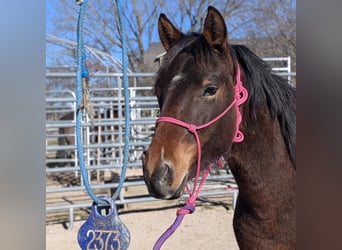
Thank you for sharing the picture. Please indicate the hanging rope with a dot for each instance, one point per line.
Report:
(82, 78)
(126, 95)
(82, 75)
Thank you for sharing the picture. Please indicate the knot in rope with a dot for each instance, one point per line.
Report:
(187, 209)
(192, 128)
(239, 136)
(241, 94)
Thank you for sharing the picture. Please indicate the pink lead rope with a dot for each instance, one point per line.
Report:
(241, 95)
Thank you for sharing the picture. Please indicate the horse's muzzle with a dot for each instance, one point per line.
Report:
(160, 181)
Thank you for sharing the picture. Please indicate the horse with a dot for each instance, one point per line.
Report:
(195, 84)
(67, 139)
(67, 134)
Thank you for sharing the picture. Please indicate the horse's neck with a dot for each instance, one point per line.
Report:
(261, 165)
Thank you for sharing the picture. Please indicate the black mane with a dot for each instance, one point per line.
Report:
(187, 43)
(275, 91)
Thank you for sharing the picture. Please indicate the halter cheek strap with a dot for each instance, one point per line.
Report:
(240, 97)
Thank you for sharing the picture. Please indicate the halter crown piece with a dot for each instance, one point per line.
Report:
(240, 97)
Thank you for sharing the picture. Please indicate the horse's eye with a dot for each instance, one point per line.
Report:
(210, 90)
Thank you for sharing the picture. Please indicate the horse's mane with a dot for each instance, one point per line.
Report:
(183, 45)
(275, 91)
(264, 87)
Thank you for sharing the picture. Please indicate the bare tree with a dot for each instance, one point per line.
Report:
(272, 31)
(141, 27)
(101, 29)
(268, 27)
(191, 13)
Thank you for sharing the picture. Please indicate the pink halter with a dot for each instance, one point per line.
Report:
(241, 95)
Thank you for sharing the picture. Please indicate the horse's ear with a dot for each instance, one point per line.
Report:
(168, 33)
(215, 30)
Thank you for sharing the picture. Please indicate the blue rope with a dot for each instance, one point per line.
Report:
(82, 73)
(126, 95)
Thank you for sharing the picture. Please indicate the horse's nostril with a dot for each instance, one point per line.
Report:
(161, 179)
(164, 172)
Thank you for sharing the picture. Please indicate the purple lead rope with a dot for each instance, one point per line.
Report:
(174, 226)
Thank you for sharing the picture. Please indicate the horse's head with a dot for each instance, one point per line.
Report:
(194, 84)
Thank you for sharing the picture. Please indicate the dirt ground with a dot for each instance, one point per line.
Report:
(209, 228)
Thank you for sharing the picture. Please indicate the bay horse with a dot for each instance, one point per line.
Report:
(194, 84)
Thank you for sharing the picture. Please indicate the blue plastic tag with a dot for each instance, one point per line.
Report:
(102, 232)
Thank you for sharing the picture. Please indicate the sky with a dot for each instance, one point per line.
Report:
(50, 13)
(49, 26)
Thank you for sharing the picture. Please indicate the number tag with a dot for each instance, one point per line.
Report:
(102, 232)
